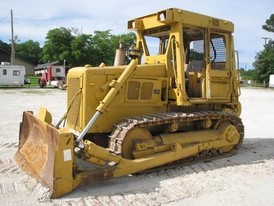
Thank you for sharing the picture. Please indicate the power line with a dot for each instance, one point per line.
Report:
(5, 17)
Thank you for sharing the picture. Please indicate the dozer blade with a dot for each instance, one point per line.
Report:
(37, 145)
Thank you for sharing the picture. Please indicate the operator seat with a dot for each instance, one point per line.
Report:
(194, 75)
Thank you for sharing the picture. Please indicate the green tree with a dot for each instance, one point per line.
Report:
(103, 47)
(250, 74)
(29, 50)
(269, 24)
(264, 62)
(82, 49)
(128, 39)
(57, 46)
(4, 46)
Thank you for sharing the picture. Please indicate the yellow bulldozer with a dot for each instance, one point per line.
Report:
(177, 99)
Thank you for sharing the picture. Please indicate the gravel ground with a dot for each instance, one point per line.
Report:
(246, 178)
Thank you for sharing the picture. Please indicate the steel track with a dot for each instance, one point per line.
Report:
(120, 132)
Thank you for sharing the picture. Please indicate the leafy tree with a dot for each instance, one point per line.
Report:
(250, 74)
(29, 50)
(4, 46)
(264, 62)
(76, 48)
(269, 24)
(58, 46)
(82, 49)
(79, 49)
(128, 40)
(103, 47)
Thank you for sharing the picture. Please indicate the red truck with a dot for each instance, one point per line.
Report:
(51, 75)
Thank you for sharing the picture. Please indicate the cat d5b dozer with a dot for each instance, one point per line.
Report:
(177, 99)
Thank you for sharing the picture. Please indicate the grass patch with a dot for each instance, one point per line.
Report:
(33, 80)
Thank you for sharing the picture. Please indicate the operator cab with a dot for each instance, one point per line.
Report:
(197, 52)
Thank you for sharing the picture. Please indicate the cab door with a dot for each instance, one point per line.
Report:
(219, 72)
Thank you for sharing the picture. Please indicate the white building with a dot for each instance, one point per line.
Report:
(271, 80)
(12, 75)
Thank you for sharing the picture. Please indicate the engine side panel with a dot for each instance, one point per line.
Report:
(144, 93)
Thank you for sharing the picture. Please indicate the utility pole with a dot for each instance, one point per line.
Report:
(12, 54)
(265, 39)
(14, 39)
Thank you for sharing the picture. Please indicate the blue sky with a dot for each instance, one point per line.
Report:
(33, 19)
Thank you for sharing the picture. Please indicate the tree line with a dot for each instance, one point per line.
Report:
(264, 60)
(75, 48)
(79, 49)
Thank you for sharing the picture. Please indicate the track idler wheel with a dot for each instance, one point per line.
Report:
(229, 133)
(134, 136)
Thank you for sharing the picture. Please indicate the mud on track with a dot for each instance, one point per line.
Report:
(242, 179)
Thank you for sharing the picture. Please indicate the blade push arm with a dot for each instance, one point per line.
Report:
(116, 86)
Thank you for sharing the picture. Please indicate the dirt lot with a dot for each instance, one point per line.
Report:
(246, 178)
